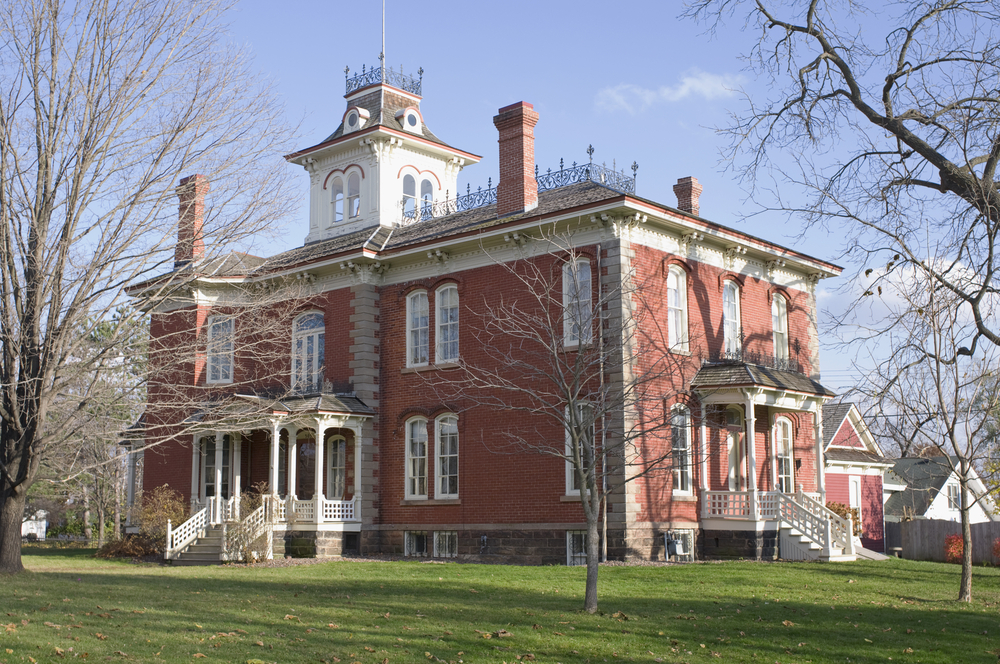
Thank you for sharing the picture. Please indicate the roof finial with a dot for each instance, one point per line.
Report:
(590, 152)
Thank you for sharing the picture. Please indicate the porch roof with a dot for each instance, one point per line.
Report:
(734, 375)
(243, 407)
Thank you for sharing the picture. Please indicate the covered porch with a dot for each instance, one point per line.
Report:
(287, 464)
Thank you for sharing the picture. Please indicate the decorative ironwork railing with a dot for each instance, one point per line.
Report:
(414, 210)
(743, 356)
(383, 74)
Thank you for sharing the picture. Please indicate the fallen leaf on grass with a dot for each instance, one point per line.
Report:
(259, 643)
(289, 616)
(502, 633)
(788, 623)
(198, 654)
(100, 636)
(620, 616)
(333, 626)
(59, 652)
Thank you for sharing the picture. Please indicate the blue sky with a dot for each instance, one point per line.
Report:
(630, 78)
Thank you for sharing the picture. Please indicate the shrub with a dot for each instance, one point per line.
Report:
(954, 547)
(152, 510)
(132, 546)
(845, 512)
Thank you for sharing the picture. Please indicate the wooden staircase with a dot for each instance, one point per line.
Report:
(208, 549)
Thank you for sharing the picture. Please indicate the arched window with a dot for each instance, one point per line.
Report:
(731, 318)
(783, 451)
(677, 325)
(354, 196)
(577, 303)
(779, 322)
(680, 431)
(417, 322)
(337, 199)
(308, 352)
(447, 324)
(426, 199)
(416, 458)
(446, 450)
(409, 195)
(735, 437)
(336, 467)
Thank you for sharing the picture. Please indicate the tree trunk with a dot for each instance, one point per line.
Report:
(965, 586)
(593, 558)
(100, 525)
(87, 531)
(117, 532)
(11, 513)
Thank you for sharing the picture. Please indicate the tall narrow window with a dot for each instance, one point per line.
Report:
(283, 463)
(416, 329)
(783, 451)
(680, 430)
(579, 445)
(308, 352)
(446, 446)
(426, 199)
(577, 303)
(336, 469)
(677, 325)
(220, 350)
(447, 324)
(779, 323)
(337, 199)
(735, 438)
(354, 196)
(416, 458)
(954, 501)
(731, 319)
(208, 465)
(409, 196)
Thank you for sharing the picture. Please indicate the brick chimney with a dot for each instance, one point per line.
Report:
(190, 219)
(517, 190)
(688, 191)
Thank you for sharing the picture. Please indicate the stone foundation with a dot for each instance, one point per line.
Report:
(734, 544)
(312, 544)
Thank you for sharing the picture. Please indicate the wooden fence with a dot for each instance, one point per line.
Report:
(923, 539)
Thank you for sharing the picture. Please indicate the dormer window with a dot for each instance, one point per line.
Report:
(410, 119)
(355, 118)
(337, 199)
(354, 196)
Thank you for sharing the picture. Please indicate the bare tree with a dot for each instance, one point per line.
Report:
(103, 108)
(889, 120)
(934, 400)
(574, 348)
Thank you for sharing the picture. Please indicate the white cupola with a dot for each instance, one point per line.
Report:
(382, 166)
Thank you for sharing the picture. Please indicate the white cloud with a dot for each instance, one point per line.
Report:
(694, 83)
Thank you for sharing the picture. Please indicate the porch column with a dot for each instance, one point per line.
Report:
(220, 442)
(275, 450)
(357, 474)
(818, 434)
(751, 455)
(195, 470)
(703, 462)
(237, 468)
(293, 454)
(130, 487)
(318, 495)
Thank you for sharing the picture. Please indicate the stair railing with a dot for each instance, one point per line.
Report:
(841, 529)
(812, 525)
(186, 533)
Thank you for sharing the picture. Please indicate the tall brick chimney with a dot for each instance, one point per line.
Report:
(190, 219)
(688, 191)
(517, 190)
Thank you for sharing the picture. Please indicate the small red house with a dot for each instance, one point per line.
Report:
(358, 455)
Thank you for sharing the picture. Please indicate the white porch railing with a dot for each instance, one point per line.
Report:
(800, 511)
(186, 533)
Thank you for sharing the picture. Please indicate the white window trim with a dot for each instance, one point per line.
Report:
(681, 341)
(409, 458)
(352, 203)
(731, 345)
(779, 313)
(575, 559)
(958, 495)
(775, 438)
(213, 355)
(439, 323)
(337, 181)
(318, 371)
(440, 536)
(410, 329)
(336, 443)
(570, 489)
(572, 305)
(680, 410)
(438, 491)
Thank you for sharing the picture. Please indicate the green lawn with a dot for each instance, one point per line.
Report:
(72, 606)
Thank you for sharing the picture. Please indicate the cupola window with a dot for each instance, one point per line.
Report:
(337, 199)
(354, 196)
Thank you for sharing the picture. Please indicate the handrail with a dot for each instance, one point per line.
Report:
(185, 533)
(842, 530)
